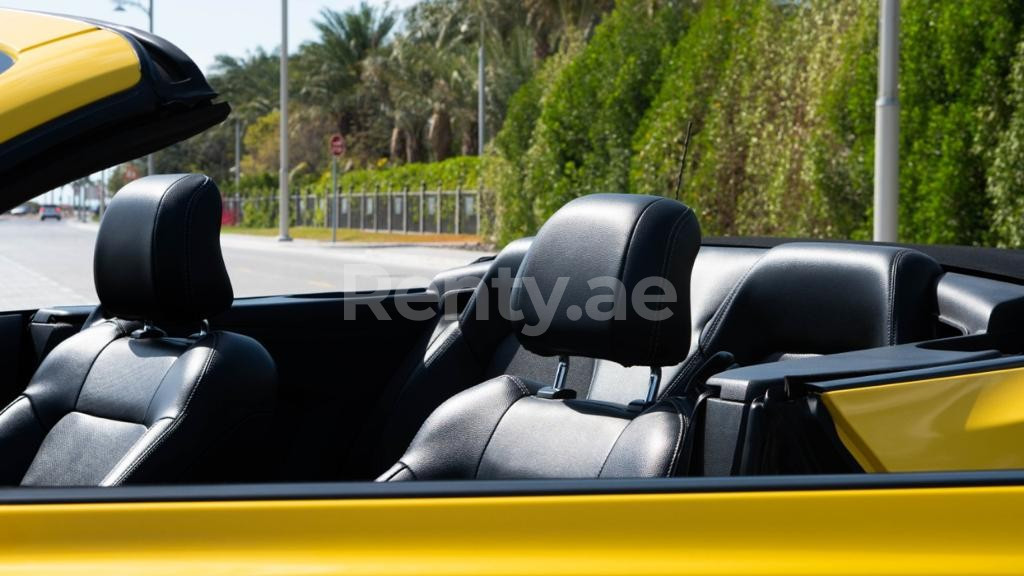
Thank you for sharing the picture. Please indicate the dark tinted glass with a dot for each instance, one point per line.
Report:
(5, 62)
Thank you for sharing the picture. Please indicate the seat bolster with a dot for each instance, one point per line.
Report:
(216, 403)
(652, 444)
(452, 441)
(54, 389)
(21, 435)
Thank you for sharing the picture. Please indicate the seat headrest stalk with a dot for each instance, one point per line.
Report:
(148, 331)
(204, 329)
(557, 390)
(652, 392)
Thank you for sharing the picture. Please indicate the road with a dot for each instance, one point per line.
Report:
(50, 263)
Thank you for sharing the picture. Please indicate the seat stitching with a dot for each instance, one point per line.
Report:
(448, 341)
(665, 263)
(522, 388)
(715, 323)
(405, 467)
(15, 401)
(152, 239)
(685, 372)
(612, 449)
(119, 332)
(188, 234)
(625, 259)
(890, 337)
(179, 419)
(683, 425)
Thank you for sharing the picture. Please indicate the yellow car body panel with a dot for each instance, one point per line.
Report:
(879, 531)
(60, 65)
(965, 422)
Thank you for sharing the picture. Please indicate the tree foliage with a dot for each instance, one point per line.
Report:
(781, 100)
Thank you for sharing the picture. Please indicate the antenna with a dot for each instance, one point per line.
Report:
(682, 161)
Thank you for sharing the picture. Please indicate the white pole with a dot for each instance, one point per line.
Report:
(887, 124)
(481, 93)
(283, 198)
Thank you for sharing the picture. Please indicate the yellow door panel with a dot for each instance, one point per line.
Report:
(58, 68)
(907, 531)
(968, 422)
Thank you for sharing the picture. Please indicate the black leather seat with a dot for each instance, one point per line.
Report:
(509, 427)
(123, 402)
(480, 343)
(809, 298)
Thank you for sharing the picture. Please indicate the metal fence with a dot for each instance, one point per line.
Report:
(419, 211)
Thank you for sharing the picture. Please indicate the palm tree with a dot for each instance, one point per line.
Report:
(332, 68)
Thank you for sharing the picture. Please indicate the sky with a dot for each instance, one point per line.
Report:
(205, 28)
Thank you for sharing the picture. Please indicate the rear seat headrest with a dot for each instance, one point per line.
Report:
(821, 298)
(158, 254)
(565, 289)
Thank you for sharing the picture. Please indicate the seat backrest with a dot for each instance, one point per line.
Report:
(123, 402)
(480, 343)
(809, 298)
(579, 292)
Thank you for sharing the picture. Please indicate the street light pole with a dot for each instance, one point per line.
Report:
(481, 92)
(283, 199)
(887, 124)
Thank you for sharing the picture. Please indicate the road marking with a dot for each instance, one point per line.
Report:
(21, 287)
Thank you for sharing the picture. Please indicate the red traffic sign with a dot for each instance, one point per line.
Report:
(338, 145)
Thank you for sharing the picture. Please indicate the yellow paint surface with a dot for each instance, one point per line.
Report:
(968, 422)
(60, 65)
(912, 531)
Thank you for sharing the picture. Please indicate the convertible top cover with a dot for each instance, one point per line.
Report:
(82, 95)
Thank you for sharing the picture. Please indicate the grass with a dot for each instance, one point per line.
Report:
(350, 235)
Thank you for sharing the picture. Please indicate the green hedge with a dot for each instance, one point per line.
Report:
(781, 96)
(461, 171)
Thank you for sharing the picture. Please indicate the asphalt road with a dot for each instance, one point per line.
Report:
(50, 263)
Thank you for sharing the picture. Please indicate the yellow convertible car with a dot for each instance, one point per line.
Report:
(614, 396)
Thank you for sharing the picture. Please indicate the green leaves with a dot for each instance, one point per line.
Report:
(782, 100)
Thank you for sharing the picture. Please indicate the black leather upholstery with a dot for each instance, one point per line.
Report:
(812, 298)
(114, 404)
(481, 344)
(629, 240)
(501, 429)
(498, 429)
(158, 253)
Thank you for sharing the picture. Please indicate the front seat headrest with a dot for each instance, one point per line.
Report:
(816, 298)
(608, 276)
(158, 254)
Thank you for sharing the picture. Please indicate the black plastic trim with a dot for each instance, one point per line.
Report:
(996, 263)
(496, 488)
(979, 367)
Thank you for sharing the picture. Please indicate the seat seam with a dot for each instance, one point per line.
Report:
(118, 334)
(683, 425)
(608, 456)
(666, 262)
(178, 420)
(522, 388)
(625, 259)
(890, 335)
